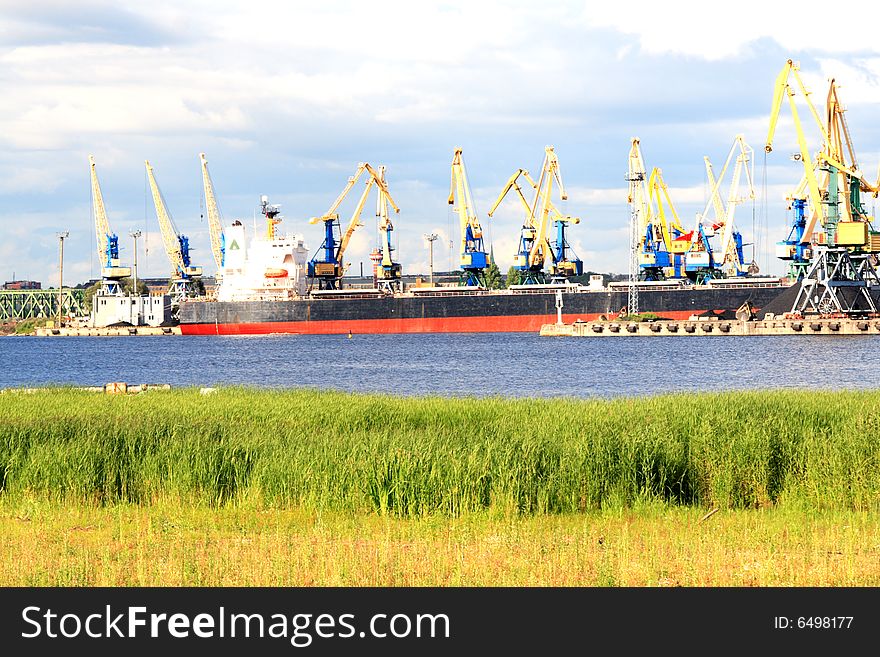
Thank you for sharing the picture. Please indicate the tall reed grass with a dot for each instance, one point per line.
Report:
(416, 456)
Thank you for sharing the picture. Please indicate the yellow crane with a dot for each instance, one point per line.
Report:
(836, 264)
(832, 178)
(327, 265)
(528, 230)
(215, 223)
(184, 280)
(106, 240)
(535, 249)
(472, 254)
(541, 250)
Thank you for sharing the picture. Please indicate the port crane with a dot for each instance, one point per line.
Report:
(836, 263)
(185, 278)
(327, 266)
(728, 258)
(388, 272)
(527, 232)
(563, 262)
(112, 272)
(215, 222)
(680, 243)
(472, 254)
(535, 248)
(660, 247)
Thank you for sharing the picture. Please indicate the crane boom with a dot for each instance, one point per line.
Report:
(812, 184)
(355, 222)
(543, 189)
(107, 241)
(215, 224)
(169, 234)
(780, 89)
(184, 277)
(715, 195)
(511, 184)
(659, 194)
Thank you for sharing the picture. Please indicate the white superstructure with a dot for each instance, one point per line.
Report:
(261, 268)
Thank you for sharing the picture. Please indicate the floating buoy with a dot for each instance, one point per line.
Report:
(349, 334)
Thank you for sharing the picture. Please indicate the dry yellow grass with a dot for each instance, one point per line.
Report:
(168, 545)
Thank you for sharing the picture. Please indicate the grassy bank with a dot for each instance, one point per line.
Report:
(336, 452)
(21, 327)
(59, 544)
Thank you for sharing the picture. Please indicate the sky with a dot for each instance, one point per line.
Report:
(287, 98)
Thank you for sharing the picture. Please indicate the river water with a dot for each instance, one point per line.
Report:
(510, 364)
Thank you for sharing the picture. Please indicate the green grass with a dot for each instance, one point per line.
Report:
(414, 457)
(639, 317)
(21, 326)
(27, 326)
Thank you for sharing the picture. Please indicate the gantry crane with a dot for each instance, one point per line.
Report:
(535, 249)
(660, 251)
(108, 242)
(691, 253)
(728, 257)
(835, 264)
(528, 230)
(561, 265)
(388, 272)
(327, 266)
(472, 254)
(565, 262)
(215, 223)
(185, 278)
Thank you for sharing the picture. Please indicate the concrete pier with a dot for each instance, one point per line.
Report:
(107, 331)
(714, 326)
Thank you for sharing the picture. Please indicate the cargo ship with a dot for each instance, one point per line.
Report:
(265, 289)
(457, 311)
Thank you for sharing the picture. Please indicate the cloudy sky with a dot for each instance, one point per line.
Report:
(287, 98)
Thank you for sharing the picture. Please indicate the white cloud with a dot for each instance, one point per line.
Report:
(691, 27)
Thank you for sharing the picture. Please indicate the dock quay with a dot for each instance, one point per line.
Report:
(714, 326)
(67, 331)
(113, 388)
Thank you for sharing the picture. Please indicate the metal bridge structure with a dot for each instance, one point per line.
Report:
(32, 304)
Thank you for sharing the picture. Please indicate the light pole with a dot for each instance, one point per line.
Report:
(61, 237)
(431, 237)
(134, 265)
